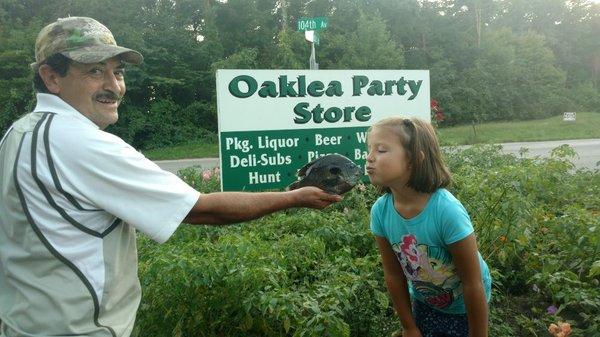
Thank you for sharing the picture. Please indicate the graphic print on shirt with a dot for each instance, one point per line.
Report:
(430, 271)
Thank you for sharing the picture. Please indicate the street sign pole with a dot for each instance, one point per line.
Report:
(311, 26)
(313, 58)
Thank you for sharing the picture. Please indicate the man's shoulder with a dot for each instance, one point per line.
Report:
(66, 138)
(27, 122)
(63, 128)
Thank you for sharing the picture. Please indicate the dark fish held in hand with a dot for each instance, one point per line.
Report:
(332, 173)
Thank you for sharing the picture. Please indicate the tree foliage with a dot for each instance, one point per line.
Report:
(488, 60)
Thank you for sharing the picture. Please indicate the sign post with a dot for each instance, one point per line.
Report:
(313, 58)
(310, 27)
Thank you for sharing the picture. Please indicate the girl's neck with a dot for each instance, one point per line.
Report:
(407, 195)
(408, 202)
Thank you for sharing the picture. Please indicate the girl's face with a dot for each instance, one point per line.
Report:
(387, 162)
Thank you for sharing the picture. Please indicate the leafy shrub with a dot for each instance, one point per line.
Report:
(317, 273)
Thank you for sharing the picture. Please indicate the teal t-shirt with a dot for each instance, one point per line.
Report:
(421, 246)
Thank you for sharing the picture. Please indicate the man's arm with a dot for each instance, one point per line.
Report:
(232, 207)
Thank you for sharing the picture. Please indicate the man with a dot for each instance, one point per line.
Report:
(72, 195)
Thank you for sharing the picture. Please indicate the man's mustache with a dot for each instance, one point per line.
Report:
(108, 95)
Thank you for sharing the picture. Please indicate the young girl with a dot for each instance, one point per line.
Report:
(424, 234)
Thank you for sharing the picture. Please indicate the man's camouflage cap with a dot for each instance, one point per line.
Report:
(81, 39)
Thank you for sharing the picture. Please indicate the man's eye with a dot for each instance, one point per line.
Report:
(96, 71)
(120, 72)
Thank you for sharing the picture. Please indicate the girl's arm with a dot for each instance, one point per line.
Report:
(466, 259)
(395, 282)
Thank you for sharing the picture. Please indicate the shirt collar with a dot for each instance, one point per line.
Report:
(55, 104)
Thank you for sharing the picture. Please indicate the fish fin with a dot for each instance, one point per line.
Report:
(304, 170)
(293, 185)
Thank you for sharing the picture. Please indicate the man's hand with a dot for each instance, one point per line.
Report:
(314, 197)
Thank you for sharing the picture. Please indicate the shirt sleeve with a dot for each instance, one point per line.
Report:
(455, 221)
(376, 215)
(109, 173)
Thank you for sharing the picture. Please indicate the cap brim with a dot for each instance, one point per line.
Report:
(94, 54)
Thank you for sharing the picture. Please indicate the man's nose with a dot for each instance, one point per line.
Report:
(112, 83)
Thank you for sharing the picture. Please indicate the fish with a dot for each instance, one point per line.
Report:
(333, 173)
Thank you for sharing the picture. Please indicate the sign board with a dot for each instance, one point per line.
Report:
(317, 23)
(273, 122)
(569, 116)
(312, 36)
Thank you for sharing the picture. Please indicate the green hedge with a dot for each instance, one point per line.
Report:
(317, 273)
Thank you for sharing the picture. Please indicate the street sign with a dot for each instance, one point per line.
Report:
(569, 116)
(317, 23)
(312, 36)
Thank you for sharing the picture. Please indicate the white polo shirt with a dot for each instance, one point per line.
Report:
(70, 198)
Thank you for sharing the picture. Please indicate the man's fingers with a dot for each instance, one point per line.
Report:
(333, 197)
(314, 197)
(326, 199)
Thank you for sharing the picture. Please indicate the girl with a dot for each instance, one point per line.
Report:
(424, 234)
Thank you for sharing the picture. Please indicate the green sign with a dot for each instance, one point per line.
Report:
(265, 160)
(273, 122)
(318, 23)
(316, 39)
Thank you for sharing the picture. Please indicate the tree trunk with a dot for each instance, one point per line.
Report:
(478, 11)
(284, 19)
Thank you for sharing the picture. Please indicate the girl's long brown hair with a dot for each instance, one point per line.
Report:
(428, 171)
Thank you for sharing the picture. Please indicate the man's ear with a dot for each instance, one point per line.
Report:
(50, 78)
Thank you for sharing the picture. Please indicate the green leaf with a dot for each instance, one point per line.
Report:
(382, 299)
(595, 269)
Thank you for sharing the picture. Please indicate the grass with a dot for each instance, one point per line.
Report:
(586, 126)
(196, 149)
(554, 128)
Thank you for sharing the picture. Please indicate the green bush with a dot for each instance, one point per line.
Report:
(317, 273)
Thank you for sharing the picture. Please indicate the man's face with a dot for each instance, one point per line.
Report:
(95, 90)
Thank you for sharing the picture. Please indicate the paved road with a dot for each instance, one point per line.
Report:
(588, 151)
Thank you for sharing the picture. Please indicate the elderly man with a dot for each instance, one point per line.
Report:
(73, 195)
